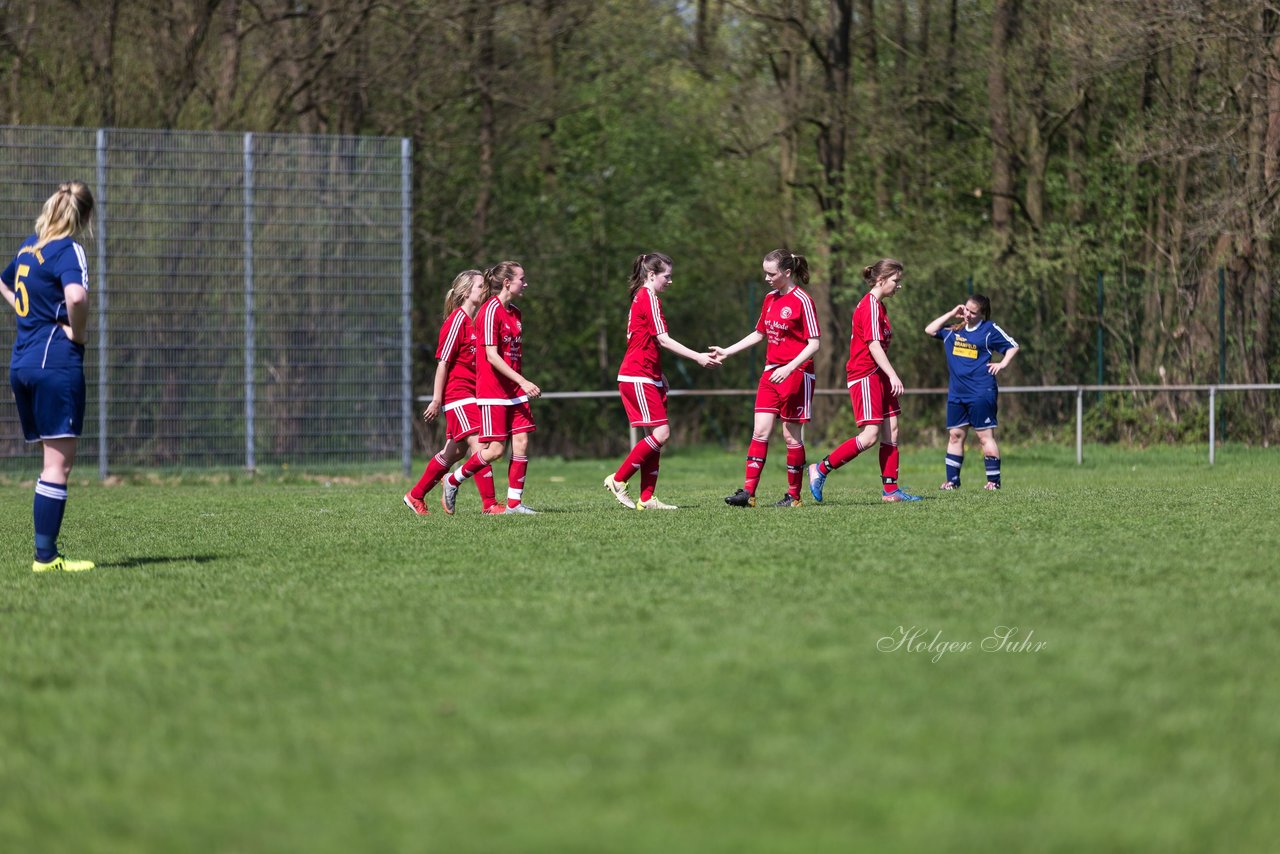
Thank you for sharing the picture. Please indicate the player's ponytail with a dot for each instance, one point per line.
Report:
(650, 262)
(790, 262)
(882, 269)
(457, 293)
(65, 213)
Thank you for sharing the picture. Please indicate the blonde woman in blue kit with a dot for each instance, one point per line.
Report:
(47, 286)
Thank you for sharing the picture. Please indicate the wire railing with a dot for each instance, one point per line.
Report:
(1077, 390)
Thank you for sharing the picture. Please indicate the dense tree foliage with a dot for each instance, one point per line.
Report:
(1032, 147)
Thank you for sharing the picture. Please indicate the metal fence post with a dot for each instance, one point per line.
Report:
(1101, 369)
(1080, 425)
(406, 306)
(1213, 413)
(104, 350)
(250, 462)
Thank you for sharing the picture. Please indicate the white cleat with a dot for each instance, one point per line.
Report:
(448, 496)
(655, 503)
(521, 510)
(619, 491)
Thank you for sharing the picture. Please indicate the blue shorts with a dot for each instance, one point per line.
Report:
(979, 414)
(50, 401)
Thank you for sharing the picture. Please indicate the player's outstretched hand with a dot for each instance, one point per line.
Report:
(708, 360)
(718, 352)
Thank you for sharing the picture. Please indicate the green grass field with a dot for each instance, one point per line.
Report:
(296, 664)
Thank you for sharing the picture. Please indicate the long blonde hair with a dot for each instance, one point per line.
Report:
(458, 291)
(65, 213)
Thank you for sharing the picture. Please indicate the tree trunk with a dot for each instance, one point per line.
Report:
(1002, 170)
(486, 133)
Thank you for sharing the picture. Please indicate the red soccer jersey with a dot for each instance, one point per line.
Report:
(788, 321)
(458, 350)
(870, 323)
(643, 359)
(500, 327)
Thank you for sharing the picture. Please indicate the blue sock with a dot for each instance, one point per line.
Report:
(47, 509)
(993, 469)
(954, 461)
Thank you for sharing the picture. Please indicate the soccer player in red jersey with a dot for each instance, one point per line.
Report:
(454, 391)
(874, 387)
(789, 321)
(502, 392)
(641, 382)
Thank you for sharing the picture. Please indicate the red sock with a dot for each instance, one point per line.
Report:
(431, 475)
(889, 466)
(484, 485)
(840, 456)
(649, 475)
(469, 469)
(646, 446)
(515, 479)
(756, 455)
(795, 470)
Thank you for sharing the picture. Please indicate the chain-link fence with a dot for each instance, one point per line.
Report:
(249, 293)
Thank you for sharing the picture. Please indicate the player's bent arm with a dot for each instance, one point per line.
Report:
(935, 325)
(77, 311)
(999, 366)
(495, 359)
(806, 354)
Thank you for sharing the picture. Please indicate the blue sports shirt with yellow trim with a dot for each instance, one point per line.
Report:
(968, 354)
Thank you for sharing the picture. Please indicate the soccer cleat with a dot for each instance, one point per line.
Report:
(655, 503)
(61, 564)
(816, 480)
(990, 487)
(494, 510)
(522, 510)
(416, 505)
(448, 496)
(899, 494)
(949, 485)
(619, 491)
(788, 500)
(741, 498)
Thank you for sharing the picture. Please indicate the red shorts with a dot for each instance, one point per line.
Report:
(462, 419)
(499, 423)
(872, 399)
(645, 402)
(791, 400)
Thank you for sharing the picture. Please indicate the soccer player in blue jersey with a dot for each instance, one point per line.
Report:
(47, 286)
(972, 392)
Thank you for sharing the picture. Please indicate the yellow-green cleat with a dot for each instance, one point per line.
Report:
(61, 564)
(654, 504)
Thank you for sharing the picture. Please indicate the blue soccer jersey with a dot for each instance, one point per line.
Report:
(968, 354)
(37, 277)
